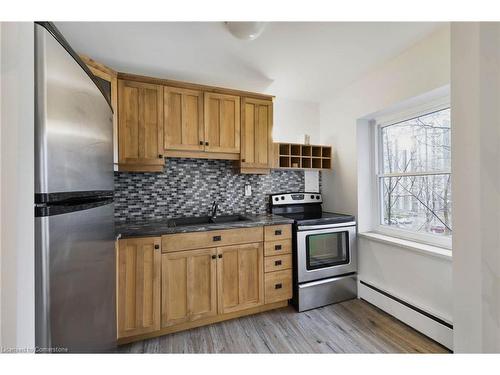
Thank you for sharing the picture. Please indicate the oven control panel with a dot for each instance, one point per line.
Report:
(295, 198)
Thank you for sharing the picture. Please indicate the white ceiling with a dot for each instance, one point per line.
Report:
(301, 61)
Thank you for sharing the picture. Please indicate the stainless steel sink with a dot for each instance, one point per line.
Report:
(230, 219)
(199, 220)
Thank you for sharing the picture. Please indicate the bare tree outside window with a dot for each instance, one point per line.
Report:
(415, 179)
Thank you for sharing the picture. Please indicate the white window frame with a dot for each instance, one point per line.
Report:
(391, 119)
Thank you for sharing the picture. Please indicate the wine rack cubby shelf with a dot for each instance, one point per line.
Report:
(298, 156)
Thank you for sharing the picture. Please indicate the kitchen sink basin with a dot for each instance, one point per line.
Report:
(199, 220)
(230, 219)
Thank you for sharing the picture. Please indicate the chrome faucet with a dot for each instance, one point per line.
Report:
(213, 214)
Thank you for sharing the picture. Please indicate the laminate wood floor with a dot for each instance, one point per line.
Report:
(353, 326)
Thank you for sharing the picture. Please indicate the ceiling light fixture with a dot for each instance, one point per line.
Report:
(246, 30)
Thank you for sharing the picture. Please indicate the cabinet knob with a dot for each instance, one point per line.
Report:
(217, 238)
(277, 232)
(220, 255)
(201, 143)
(278, 286)
(277, 263)
(214, 256)
(277, 247)
(206, 143)
(157, 247)
(160, 156)
(242, 160)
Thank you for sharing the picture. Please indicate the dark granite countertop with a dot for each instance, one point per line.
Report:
(153, 228)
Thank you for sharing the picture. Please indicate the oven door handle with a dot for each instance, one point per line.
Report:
(326, 226)
(326, 281)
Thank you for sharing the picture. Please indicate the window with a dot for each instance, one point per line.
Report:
(414, 176)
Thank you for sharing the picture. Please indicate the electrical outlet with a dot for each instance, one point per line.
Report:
(248, 190)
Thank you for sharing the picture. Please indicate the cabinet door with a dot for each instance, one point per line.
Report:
(188, 286)
(240, 277)
(222, 123)
(140, 125)
(256, 133)
(183, 119)
(138, 289)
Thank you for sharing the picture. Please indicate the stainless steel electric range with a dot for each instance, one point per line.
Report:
(324, 250)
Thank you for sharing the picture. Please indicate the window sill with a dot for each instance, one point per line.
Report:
(410, 245)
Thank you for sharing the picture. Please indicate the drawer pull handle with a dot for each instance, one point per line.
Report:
(277, 232)
(278, 286)
(157, 247)
(217, 238)
(277, 263)
(214, 256)
(220, 255)
(277, 247)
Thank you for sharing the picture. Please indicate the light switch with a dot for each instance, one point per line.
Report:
(248, 190)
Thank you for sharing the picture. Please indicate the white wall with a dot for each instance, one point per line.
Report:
(293, 119)
(0, 182)
(420, 69)
(405, 273)
(475, 74)
(420, 279)
(17, 185)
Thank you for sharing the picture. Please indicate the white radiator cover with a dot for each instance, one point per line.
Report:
(429, 327)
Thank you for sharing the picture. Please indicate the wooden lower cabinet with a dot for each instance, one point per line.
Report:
(138, 289)
(213, 238)
(189, 288)
(160, 293)
(278, 286)
(240, 277)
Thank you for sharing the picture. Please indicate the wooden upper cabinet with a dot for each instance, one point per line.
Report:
(256, 134)
(140, 126)
(189, 289)
(240, 277)
(161, 118)
(138, 286)
(222, 123)
(183, 119)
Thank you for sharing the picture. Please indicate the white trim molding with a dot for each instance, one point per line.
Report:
(436, 251)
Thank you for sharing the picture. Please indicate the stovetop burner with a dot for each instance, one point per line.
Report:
(305, 208)
(319, 217)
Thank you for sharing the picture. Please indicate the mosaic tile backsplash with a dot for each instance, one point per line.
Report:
(188, 187)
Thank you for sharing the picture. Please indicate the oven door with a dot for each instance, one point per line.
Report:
(325, 251)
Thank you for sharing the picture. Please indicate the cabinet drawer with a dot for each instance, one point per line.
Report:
(277, 232)
(278, 263)
(214, 238)
(278, 286)
(277, 247)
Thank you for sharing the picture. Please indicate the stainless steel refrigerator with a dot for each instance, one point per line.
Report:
(74, 243)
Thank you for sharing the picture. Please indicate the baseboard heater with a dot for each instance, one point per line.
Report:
(430, 325)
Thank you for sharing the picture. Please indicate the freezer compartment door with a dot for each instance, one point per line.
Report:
(75, 280)
(73, 124)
